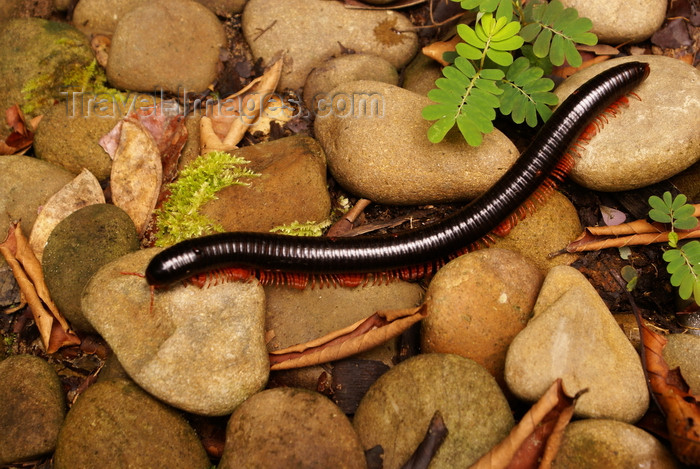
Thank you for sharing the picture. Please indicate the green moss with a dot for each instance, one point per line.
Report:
(308, 228)
(197, 184)
(40, 92)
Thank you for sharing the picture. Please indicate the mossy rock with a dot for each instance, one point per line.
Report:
(38, 60)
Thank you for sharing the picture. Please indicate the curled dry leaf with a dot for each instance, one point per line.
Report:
(82, 191)
(359, 337)
(225, 126)
(638, 232)
(53, 328)
(670, 391)
(436, 50)
(22, 136)
(137, 173)
(538, 434)
(100, 45)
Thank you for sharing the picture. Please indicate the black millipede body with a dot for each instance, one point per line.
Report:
(417, 250)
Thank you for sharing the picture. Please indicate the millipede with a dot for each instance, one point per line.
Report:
(298, 261)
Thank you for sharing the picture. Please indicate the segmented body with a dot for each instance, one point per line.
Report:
(290, 259)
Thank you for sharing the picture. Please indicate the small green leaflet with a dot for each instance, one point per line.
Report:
(466, 98)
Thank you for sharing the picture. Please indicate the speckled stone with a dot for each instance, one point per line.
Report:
(307, 32)
(621, 21)
(652, 139)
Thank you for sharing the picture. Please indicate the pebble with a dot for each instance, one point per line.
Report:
(309, 31)
(621, 21)
(70, 139)
(25, 185)
(398, 164)
(116, 424)
(200, 350)
(597, 443)
(420, 75)
(338, 70)
(102, 16)
(225, 8)
(288, 427)
(683, 351)
(397, 409)
(573, 336)
(298, 316)
(652, 139)
(477, 304)
(32, 408)
(77, 247)
(550, 228)
(291, 187)
(173, 46)
(44, 54)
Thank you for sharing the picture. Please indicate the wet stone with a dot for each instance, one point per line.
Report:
(171, 45)
(307, 32)
(32, 408)
(116, 424)
(649, 140)
(77, 247)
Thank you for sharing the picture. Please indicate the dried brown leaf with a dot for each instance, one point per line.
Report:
(136, 176)
(681, 408)
(100, 45)
(228, 123)
(436, 50)
(53, 328)
(526, 441)
(82, 191)
(21, 137)
(638, 232)
(359, 337)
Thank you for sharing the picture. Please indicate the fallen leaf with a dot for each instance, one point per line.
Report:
(634, 233)
(537, 435)
(231, 118)
(21, 137)
(137, 173)
(53, 328)
(670, 391)
(436, 50)
(359, 337)
(100, 45)
(82, 191)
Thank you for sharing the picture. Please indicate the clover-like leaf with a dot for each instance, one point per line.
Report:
(466, 98)
(554, 30)
(526, 94)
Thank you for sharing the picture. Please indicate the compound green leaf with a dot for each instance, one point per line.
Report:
(660, 216)
(468, 51)
(511, 43)
(541, 45)
(572, 55)
(678, 202)
(530, 31)
(557, 50)
(492, 73)
(685, 289)
(433, 112)
(672, 254)
(500, 57)
(469, 36)
(439, 129)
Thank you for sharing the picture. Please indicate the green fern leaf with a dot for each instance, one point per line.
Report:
(557, 30)
(526, 94)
